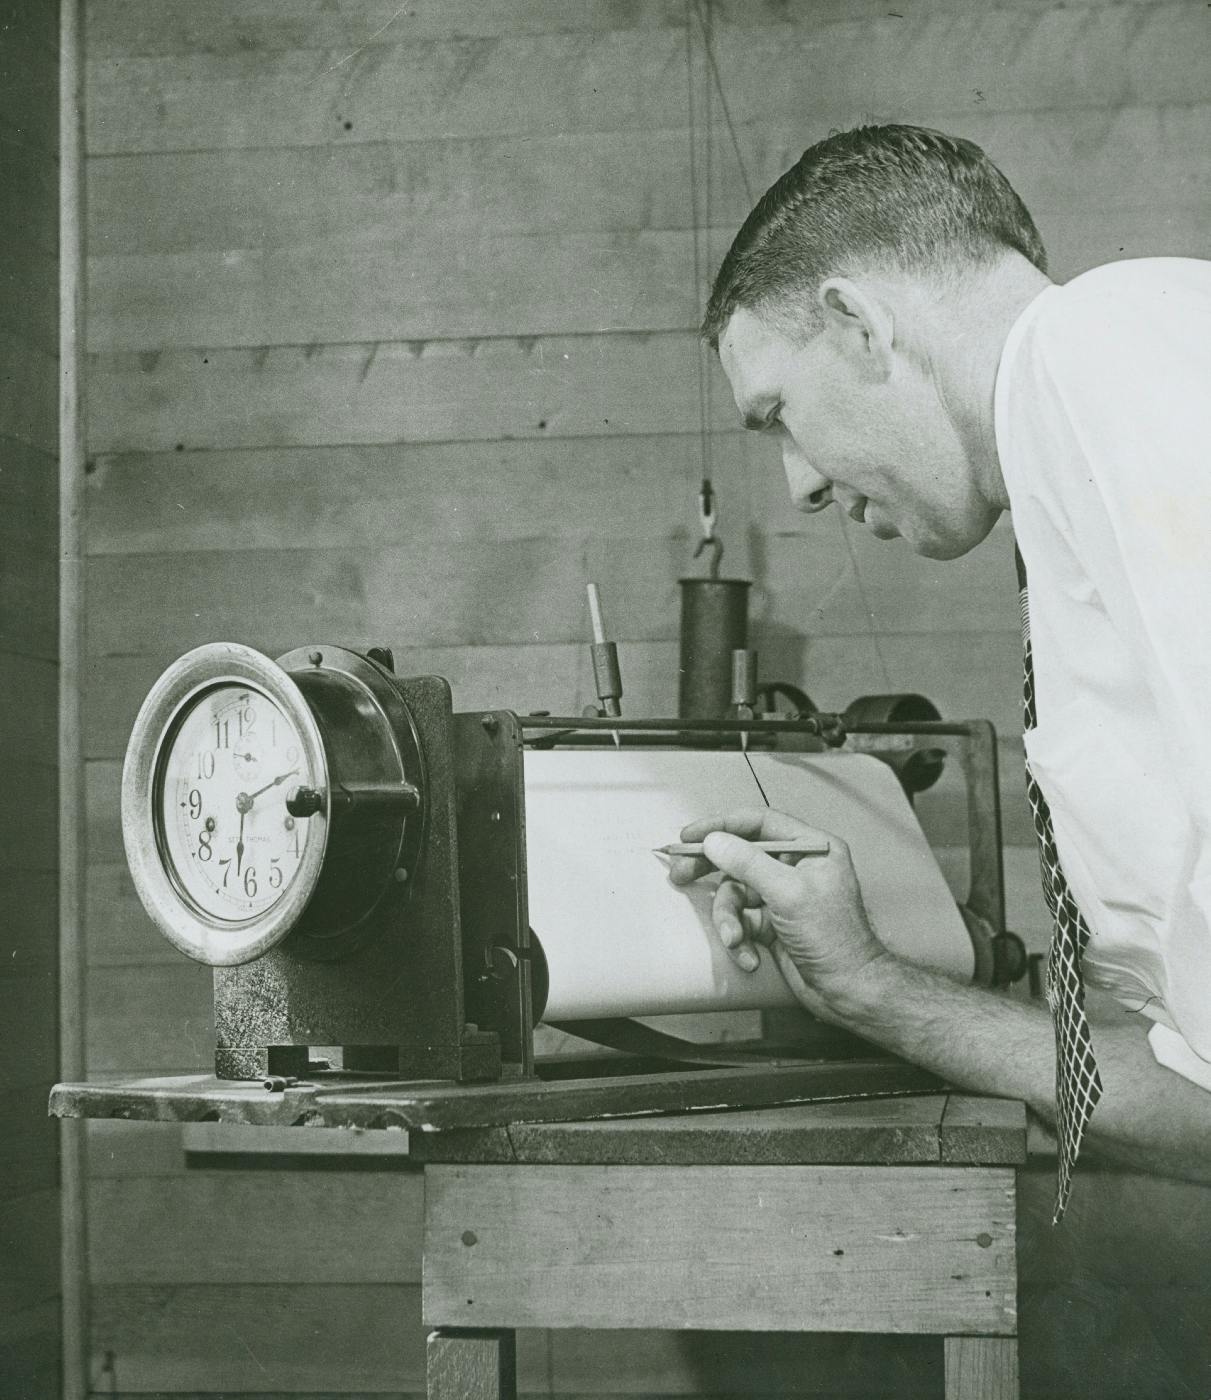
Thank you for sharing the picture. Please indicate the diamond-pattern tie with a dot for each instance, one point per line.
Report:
(1078, 1086)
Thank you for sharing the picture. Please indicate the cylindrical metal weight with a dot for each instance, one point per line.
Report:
(714, 623)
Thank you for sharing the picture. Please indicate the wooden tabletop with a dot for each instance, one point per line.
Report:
(871, 1113)
(940, 1129)
(611, 1089)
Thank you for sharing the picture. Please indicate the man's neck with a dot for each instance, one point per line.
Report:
(966, 334)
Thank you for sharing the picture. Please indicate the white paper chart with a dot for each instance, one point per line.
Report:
(621, 940)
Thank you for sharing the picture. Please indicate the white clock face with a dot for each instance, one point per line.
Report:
(220, 797)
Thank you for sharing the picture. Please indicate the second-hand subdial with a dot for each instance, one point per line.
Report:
(246, 761)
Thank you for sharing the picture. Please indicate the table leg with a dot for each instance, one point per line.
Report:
(981, 1368)
(462, 1363)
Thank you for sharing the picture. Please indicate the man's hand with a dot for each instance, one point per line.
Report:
(811, 918)
(809, 914)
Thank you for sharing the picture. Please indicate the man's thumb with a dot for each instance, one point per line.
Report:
(774, 882)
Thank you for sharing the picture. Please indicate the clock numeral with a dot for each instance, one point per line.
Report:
(226, 864)
(275, 873)
(247, 720)
(250, 882)
(294, 842)
(205, 765)
(205, 851)
(222, 733)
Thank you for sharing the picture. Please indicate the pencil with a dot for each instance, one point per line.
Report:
(773, 848)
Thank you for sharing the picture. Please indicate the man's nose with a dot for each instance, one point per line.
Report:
(809, 490)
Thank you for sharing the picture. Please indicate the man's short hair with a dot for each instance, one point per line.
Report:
(902, 197)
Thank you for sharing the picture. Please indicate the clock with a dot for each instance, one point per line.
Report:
(263, 798)
(345, 852)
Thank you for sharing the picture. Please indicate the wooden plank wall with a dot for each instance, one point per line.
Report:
(29, 696)
(391, 340)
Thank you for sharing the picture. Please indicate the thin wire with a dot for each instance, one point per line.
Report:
(748, 191)
(703, 419)
(756, 779)
(708, 219)
(870, 612)
(723, 103)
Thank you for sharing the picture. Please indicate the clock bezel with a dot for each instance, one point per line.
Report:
(215, 941)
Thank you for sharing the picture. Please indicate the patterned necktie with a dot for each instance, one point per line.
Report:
(1078, 1086)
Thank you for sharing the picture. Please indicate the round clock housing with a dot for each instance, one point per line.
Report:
(221, 864)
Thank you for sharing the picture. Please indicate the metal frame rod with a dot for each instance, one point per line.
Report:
(816, 725)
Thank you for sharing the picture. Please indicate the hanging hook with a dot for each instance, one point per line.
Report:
(716, 546)
(708, 518)
(708, 510)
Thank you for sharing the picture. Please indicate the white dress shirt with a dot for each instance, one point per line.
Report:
(1103, 426)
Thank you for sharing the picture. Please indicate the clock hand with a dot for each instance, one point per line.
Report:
(239, 845)
(281, 778)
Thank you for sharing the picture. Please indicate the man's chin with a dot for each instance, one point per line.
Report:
(958, 540)
(942, 549)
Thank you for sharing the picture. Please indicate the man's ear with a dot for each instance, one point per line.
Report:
(861, 323)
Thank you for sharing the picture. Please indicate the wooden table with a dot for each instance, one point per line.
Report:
(881, 1216)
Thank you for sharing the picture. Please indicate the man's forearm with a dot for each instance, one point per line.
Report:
(1148, 1117)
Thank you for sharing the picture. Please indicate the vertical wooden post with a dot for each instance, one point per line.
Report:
(465, 1364)
(74, 1252)
(981, 1368)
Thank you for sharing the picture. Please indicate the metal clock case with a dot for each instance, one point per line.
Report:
(233, 757)
(292, 824)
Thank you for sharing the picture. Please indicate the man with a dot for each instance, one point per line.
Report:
(886, 314)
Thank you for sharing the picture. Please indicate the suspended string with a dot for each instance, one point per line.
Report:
(713, 75)
(708, 44)
(708, 219)
(706, 490)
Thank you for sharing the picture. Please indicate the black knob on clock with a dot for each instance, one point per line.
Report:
(304, 802)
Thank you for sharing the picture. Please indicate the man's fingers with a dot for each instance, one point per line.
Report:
(745, 821)
(777, 884)
(684, 870)
(728, 911)
(752, 823)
